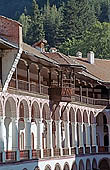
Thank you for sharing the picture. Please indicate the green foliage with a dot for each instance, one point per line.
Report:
(78, 17)
(52, 20)
(97, 39)
(35, 31)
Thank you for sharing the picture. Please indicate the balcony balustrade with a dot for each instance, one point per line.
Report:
(47, 153)
(56, 152)
(11, 156)
(65, 151)
(64, 93)
(36, 154)
(24, 154)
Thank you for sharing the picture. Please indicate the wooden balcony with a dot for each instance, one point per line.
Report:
(63, 94)
(91, 101)
(30, 87)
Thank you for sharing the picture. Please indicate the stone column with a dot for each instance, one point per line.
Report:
(39, 131)
(15, 137)
(67, 135)
(87, 130)
(27, 134)
(67, 138)
(80, 128)
(49, 136)
(94, 141)
(58, 136)
(73, 134)
(2, 138)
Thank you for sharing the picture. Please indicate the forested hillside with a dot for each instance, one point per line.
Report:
(69, 25)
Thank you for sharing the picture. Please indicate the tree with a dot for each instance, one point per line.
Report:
(52, 20)
(35, 31)
(25, 20)
(77, 17)
(97, 40)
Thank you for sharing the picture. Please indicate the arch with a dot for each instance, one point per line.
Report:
(10, 107)
(85, 117)
(66, 166)
(35, 111)
(74, 166)
(104, 164)
(57, 167)
(23, 109)
(71, 115)
(88, 164)
(94, 164)
(48, 167)
(81, 165)
(36, 168)
(64, 114)
(78, 116)
(46, 112)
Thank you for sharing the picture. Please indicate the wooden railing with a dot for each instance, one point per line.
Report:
(65, 151)
(87, 150)
(56, 152)
(80, 150)
(73, 151)
(26, 86)
(93, 149)
(103, 149)
(36, 154)
(11, 155)
(24, 154)
(47, 152)
(88, 100)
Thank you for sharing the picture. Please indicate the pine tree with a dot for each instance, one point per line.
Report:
(36, 31)
(52, 18)
(77, 17)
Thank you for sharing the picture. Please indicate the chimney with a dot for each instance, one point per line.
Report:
(40, 45)
(90, 57)
(79, 54)
(53, 50)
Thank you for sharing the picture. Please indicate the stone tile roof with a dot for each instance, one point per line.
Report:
(61, 58)
(100, 68)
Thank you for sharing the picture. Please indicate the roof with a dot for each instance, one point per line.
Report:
(33, 51)
(61, 58)
(100, 69)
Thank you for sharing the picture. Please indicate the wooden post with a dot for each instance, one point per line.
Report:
(39, 80)
(28, 78)
(80, 93)
(16, 78)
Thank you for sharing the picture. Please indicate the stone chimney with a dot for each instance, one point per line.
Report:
(53, 50)
(90, 57)
(40, 45)
(79, 54)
